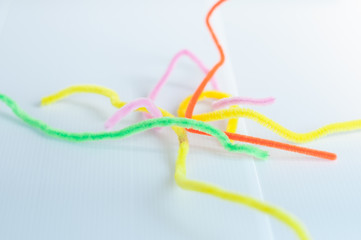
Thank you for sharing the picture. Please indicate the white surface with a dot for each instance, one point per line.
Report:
(307, 55)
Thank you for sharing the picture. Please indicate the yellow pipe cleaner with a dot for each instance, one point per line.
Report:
(232, 123)
(180, 171)
(238, 112)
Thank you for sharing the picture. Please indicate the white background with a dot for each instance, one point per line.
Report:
(306, 54)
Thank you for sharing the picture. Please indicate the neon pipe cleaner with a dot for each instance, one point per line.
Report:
(210, 74)
(163, 80)
(223, 103)
(277, 128)
(232, 123)
(180, 172)
(113, 96)
(136, 128)
(149, 105)
(177, 125)
(232, 102)
(269, 123)
(122, 112)
(254, 140)
(170, 68)
(198, 92)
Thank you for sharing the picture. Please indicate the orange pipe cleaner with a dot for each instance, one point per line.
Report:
(240, 137)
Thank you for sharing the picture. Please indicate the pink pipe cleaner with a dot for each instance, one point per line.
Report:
(225, 102)
(137, 103)
(162, 81)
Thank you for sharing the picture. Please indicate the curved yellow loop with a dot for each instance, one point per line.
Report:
(109, 93)
(180, 171)
(232, 123)
(269, 123)
(112, 95)
(206, 94)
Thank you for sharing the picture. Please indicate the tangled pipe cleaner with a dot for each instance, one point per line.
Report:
(194, 98)
(272, 125)
(232, 102)
(183, 182)
(226, 102)
(114, 99)
(180, 172)
(249, 139)
(219, 104)
(232, 123)
(136, 104)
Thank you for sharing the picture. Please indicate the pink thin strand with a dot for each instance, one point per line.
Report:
(129, 107)
(225, 102)
(163, 80)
